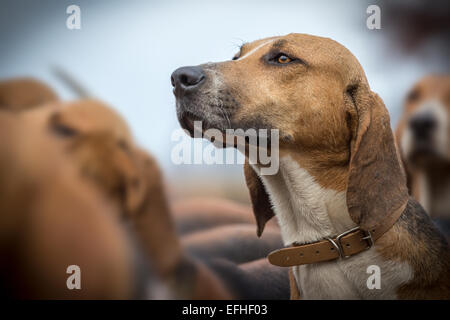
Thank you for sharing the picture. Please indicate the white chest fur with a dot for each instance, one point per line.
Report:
(306, 213)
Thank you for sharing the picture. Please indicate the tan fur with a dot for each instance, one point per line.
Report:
(309, 93)
(24, 93)
(52, 219)
(314, 108)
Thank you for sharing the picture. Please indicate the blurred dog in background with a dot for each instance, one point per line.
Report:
(423, 135)
(51, 218)
(218, 259)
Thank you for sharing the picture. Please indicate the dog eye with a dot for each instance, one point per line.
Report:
(413, 96)
(58, 128)
(63, 131)
(282, 59)
(236, 56)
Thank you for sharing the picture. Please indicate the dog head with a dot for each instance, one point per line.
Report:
(100, 143)
(314, 91)
(423, 131)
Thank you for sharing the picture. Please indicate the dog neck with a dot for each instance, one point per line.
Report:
(308, 212)
(305, 210)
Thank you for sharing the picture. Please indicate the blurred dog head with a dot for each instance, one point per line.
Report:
(60, 206)
(99, 142)
(424, 129)
(100, 145)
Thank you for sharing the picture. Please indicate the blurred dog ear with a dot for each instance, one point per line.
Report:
(143, 181)
(150, 214)
(376, 184)
(24, 93)
(262, 208)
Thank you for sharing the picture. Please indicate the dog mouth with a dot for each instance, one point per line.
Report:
(198, 127)
(188, 121)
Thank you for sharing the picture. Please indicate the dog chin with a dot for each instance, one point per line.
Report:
(188, 121)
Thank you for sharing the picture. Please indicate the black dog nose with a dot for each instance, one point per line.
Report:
(422, 124)
(186, 79)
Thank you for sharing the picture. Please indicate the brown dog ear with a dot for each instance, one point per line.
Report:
(262, 208)
(376, 184)
(150, 214)
(24, 93)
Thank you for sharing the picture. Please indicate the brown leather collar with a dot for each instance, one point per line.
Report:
(346, 244)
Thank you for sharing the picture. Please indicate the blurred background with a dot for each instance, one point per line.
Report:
(125, 52)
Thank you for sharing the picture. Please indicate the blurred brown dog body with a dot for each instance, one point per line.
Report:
(339, 167)
(202, 213)
(52, 219)
(99, 143)
(423, 135)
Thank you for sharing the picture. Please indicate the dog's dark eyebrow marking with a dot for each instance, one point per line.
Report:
(278, 44)
(276, 47)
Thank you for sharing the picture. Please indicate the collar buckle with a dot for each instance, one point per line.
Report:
(338, 245)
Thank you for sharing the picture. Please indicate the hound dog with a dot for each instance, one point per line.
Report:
(340, 193)
(423, 134)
